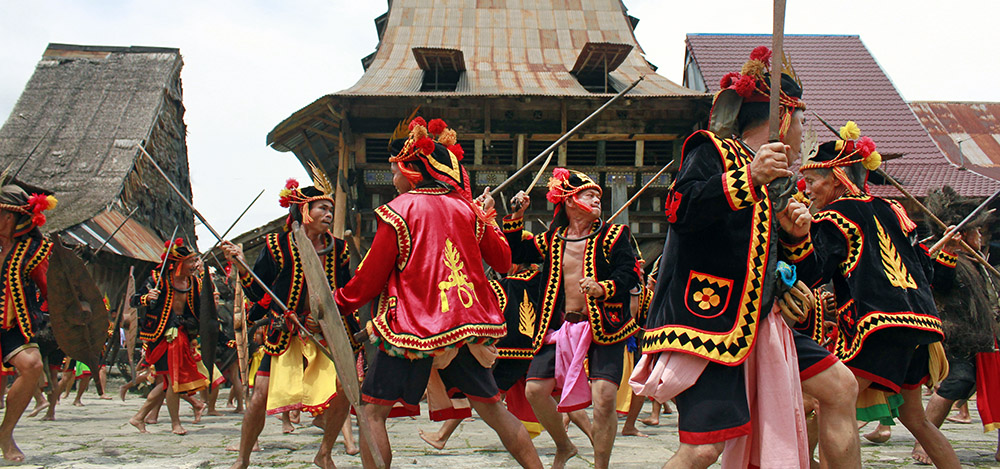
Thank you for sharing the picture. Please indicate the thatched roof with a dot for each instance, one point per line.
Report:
(86, 107)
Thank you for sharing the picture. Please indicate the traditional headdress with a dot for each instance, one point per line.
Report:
(297, 199)
(564, 185)
(951, 208)
(851, 149)
(175, 253)
(752, 84)
(415, 141)
(28, 209)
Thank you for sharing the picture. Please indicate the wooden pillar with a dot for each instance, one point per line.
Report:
(619, 195)
(640, 153)
(340, 205)
(478, 155)
(519, 160)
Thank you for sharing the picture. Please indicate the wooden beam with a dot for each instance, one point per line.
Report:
(640, 152)
(329, 122)
(336, 115)
(340, 200)
(562, 129)
(519, 160)
(310, 146)
(324, 133)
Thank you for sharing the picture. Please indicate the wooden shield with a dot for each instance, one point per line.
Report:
(76, 309)
(208, 325)
(131, 320)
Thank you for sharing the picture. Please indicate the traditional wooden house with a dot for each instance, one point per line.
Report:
(510, 77)
(76, 130)
(968, 133)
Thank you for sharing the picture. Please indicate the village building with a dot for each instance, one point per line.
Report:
(76, 130)
(510, 77)
(968, 133)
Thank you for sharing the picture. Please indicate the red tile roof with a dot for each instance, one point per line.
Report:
(967, 133)
(841, 82)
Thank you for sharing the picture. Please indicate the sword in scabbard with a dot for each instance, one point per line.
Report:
(347, 377)
(937, 221)
(547, 153)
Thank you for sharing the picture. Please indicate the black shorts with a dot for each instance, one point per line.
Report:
(891, 365)
(508, 371)
(813, 358)
(264, 368)
(605, 362)
(12, 342)
(715, 408)
(961, 381)
(394, 379)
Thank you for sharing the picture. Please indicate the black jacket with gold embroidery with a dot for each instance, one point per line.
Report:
(608, 257)
(280, 267)
(519, 299)
(25, 285)
(708, 299)
(880, 279)
(158, 316)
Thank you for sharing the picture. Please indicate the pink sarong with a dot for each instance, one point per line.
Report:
(572, 343)
(778, 427)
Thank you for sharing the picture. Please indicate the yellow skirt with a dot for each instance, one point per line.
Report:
(301, 378)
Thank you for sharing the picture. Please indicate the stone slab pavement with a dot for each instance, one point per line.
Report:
(98, 435)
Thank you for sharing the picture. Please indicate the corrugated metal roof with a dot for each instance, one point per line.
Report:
(133, 240)
(547, 36)
(967, 133)
(842, 81)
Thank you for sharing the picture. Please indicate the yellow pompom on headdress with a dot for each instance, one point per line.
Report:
(850, 149)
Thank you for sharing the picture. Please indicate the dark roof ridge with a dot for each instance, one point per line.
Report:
(946, 101)
(768, 35)
(113, 49)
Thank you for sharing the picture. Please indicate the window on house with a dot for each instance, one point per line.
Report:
(596, 61)
(442, 67)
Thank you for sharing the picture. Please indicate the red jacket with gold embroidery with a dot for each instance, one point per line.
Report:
(425, 267)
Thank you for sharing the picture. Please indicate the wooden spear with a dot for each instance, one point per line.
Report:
(639, 192)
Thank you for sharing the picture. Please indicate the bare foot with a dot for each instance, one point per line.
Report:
(959, 418)
(122, 391)
(559, 462)
(295, 416)
(239, 464)
(880, 434)
(152, 421)
(325, 461)
(287, 427)
(997, 456)
(236, 447)
(138, 423)
(178, 429)
(650, 421)
(105, 397)
(77, 403)
(10, 450)
(199, 410)
(49, 416)
(352, 450)
(433, 439)
(38, 408)
(632, 431)
(214, 413)
(920, 456)
(667, 409)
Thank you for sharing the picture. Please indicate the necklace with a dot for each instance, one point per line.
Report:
(593, 233)
(328, 246)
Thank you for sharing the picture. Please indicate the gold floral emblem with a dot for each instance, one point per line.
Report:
(706, 298)
(456, 279)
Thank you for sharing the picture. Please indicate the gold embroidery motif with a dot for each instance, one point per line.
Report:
(892, 263)
(526, 324)
(457, 278)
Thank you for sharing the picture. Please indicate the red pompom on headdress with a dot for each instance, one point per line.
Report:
(745, 86)
(561, 174)
(436, 126)
(728, 79)
(763, 54)
(417, 121)
(866, 146)
(458, 151)
(425, 145)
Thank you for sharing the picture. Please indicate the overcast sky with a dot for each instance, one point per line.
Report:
(248, 65)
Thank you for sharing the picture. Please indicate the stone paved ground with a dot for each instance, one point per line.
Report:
(98, 435)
